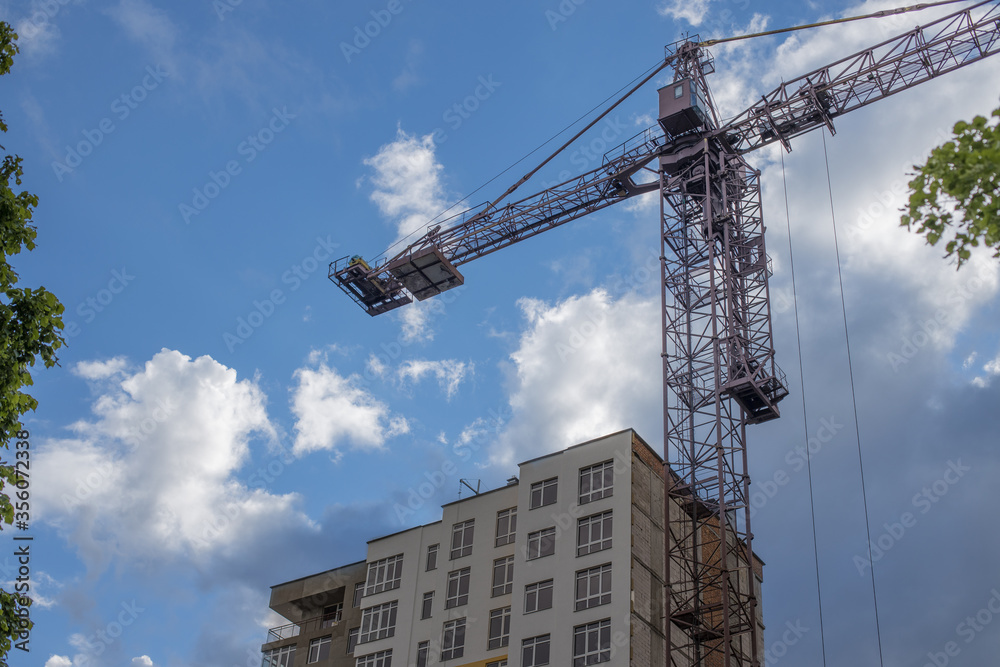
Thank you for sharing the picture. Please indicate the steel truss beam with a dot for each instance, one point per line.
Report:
(719, 375)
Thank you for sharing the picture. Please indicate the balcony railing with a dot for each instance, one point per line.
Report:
(306, 626)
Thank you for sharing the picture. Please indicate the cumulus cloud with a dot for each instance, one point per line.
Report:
(334, 412)
(416, 323)
(692, 11)
(448, 372)
(991, 370)
(409, 191)
(59, 661)
(584, 367)
(142, 661)
(408, 182)
(152, 476)
(100, 370)
(888, 265)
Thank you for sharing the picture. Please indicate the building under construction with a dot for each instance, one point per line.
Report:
(564, 566)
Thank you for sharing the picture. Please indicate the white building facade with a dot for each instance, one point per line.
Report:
(563, 566)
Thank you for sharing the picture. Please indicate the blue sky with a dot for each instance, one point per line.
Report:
(225, 419)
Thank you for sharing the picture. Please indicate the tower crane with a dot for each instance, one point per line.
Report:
(719, 370)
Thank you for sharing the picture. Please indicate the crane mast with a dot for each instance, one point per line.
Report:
(719, 370)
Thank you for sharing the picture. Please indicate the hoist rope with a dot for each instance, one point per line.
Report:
(805, 419)
(874, 15)
(854, 399)
(645, 76)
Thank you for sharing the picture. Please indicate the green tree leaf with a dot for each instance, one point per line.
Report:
(955, 194)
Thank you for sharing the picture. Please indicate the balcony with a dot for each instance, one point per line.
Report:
(304, 627)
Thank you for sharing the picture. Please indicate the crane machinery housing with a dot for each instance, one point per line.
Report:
(719, 370)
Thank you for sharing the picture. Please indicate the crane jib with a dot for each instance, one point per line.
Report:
(796, 107)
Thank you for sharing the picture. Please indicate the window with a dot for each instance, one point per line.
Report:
(678, 91)
(425, 607)
(461, 538)
(352, 639)
(332, 615)
(384, 575)
(593, 587)
(597, 481)
(432, 557)
(453, 642)
(423, 652)
(503, 576)
(506, 526)
(543, 493)
(538, 596)
(279, 657)
(498, 663)
(458, 588)
(499, 635)
(592, 643)
(535, 651)
(380, 659)
(359, 591)
(593, 533)
(541, 543)
(378, 622)
(319, 649)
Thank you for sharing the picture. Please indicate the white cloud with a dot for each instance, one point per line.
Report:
(152, 476)
(449, 372)
(585, 367)
(142, 661)
(58, 661)
(333, 412)
(881, 259)
(692, 11)
(407, 180)
(38, 32)
(376, 366)
(416, 323)
(41, 581)
(100, 370)
(409, 77)
(992, 369)
(151, 27)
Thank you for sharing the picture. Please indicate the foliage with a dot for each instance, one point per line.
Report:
(957, 191)
(30, 326)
